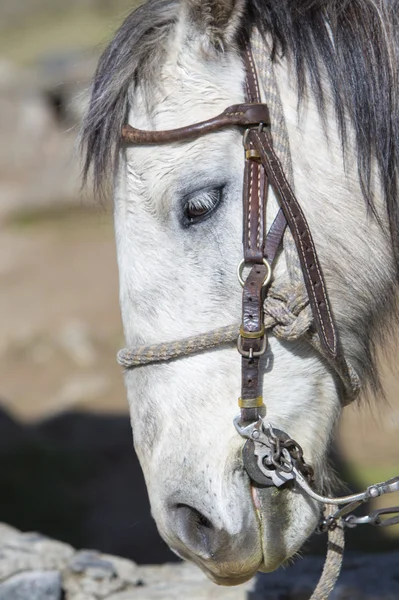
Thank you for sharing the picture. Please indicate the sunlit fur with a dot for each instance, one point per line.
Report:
(178, 280)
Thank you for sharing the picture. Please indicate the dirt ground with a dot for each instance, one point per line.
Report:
(59, 317)
(60, 329)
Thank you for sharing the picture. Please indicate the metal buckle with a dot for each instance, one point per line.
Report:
(259, 127)
(251, 353)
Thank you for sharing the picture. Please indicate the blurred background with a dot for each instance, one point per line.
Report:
(67, 466)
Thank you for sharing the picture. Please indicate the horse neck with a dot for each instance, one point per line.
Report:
(353, 246)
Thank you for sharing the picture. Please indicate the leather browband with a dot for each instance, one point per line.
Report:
(242, 115)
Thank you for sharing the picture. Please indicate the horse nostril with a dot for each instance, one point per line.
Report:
(197, 518)
(195, 530)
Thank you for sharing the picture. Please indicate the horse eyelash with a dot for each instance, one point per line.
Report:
(207, 200)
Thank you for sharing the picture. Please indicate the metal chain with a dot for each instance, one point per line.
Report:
(280, 458)
(293, 452)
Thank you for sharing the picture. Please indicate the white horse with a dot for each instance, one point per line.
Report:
(178, 222)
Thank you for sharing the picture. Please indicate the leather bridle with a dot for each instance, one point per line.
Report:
(262, 170)
(270, 456)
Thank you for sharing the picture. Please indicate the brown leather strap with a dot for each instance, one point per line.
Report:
(276, 231)
(312, 272)
(251, 81)
(243, 115)
(252, 342)
(254, 206)
(275, 236)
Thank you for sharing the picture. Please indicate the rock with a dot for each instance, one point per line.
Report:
(91, 562)
(89, 575)
(39, 585)
(181, 581)
(30, 552)
(92, 575)
(7, 533)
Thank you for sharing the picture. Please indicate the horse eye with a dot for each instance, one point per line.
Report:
(201, 205)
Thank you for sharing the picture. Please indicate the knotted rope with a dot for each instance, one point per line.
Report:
(286, 316)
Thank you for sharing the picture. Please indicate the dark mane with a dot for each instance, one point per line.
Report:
(359, 52)
(355, 42)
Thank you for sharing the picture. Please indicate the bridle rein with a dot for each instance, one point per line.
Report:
(270, 456)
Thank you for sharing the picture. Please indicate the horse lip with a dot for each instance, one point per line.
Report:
(271, 526)
(230, 580)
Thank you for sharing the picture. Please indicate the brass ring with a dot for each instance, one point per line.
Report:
(240, 270)
(251, 402)
(252, 335)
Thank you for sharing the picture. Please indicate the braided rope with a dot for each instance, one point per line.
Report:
(287, 316)
(333, 563)
(145, 355)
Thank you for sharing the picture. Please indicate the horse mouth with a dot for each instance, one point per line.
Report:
(268, 553)
(286, 520)
(229, 580)
(271, 506)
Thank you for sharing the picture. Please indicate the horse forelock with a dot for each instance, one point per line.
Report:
(353, 47)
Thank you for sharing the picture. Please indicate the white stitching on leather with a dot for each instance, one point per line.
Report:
(259, 206)
(251, 62)
(251, 167)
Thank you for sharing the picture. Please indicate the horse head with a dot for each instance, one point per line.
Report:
(178, 224)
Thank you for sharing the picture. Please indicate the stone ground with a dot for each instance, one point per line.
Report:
(33, 567)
